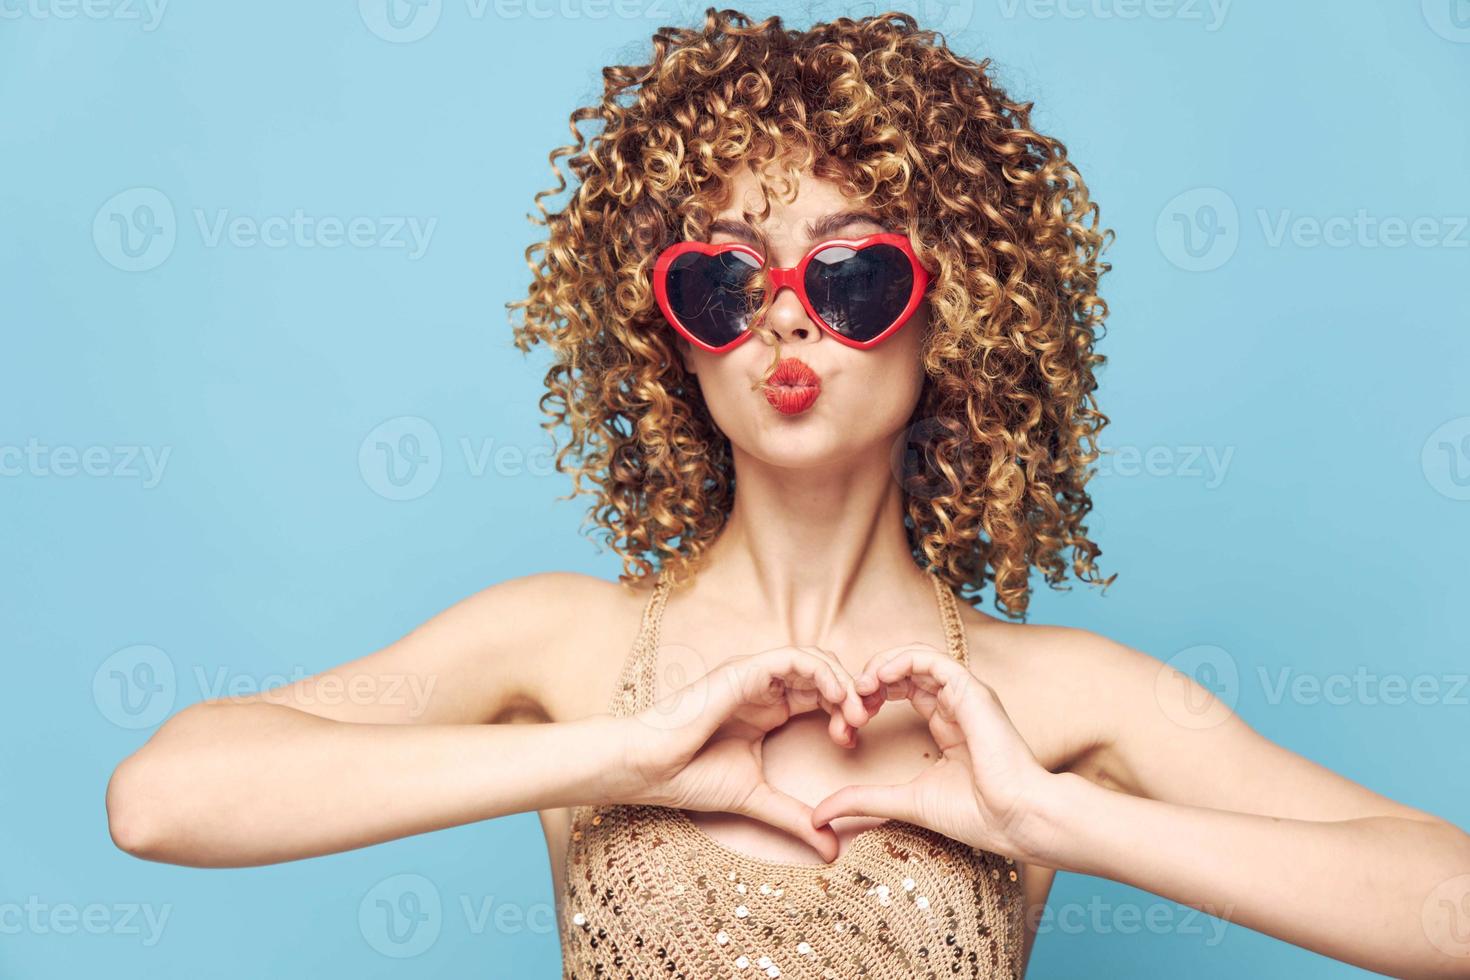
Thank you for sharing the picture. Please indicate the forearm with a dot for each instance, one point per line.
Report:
(245, 784)
(1355, 890)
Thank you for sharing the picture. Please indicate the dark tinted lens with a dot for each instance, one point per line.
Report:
(860, 293)
(706, 293)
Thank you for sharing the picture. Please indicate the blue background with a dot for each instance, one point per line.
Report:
(1328, 380)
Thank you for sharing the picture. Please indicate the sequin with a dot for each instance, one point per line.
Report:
(702, 909)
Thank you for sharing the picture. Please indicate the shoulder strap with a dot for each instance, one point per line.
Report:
(949, 614)
(635, 682)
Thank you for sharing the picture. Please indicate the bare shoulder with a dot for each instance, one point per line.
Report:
(1065, 687)
(577, 630)
(1061, 652)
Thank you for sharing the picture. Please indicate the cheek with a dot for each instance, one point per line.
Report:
(725, 381)
(894, 372)
(888, 386)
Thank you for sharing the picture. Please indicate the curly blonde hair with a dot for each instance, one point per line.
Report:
(1006, 423)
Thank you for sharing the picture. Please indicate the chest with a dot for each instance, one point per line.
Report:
(801, 760)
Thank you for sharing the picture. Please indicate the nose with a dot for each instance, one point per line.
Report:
(787, 319)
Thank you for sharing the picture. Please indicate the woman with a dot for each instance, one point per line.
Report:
(823, 307)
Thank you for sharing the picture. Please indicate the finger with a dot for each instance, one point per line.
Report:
(838, 728)
(843, 711)
(842, 733)
(958, 696)
(866, 679)
(787, 680)
(894, 802)
(850, 705)
(793, 816)
(765, 679)
(917, 672)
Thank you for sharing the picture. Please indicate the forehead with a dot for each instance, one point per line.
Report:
(814, 196)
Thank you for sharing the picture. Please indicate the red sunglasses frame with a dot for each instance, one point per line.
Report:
(793, 278)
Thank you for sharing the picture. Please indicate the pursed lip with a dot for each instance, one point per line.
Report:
(793, 387)
(796, 373)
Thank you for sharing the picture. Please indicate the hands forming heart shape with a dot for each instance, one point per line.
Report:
(699, 748)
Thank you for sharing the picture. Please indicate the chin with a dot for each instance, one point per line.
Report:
(816, 438)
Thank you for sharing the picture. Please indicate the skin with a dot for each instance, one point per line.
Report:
(803, 697)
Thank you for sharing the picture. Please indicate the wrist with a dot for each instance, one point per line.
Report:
(615, 776)
(1048, 824)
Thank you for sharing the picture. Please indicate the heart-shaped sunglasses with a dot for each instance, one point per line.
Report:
(859, 290)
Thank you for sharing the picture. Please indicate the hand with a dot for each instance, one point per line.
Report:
(699, 748)
(983, 788)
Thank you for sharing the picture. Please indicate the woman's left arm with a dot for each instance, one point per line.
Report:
(1214, 815)
(1207, 812)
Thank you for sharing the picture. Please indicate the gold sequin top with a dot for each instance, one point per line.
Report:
(649, 894)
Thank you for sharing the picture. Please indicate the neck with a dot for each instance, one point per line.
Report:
(801, 547)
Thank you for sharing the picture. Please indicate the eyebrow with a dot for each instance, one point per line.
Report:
(823, 227)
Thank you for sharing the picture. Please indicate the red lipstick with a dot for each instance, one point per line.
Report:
(793, 387)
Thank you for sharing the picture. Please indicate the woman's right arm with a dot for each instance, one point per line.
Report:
(402, 741)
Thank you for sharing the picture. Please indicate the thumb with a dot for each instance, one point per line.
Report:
(893, 802)
(793, 816)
